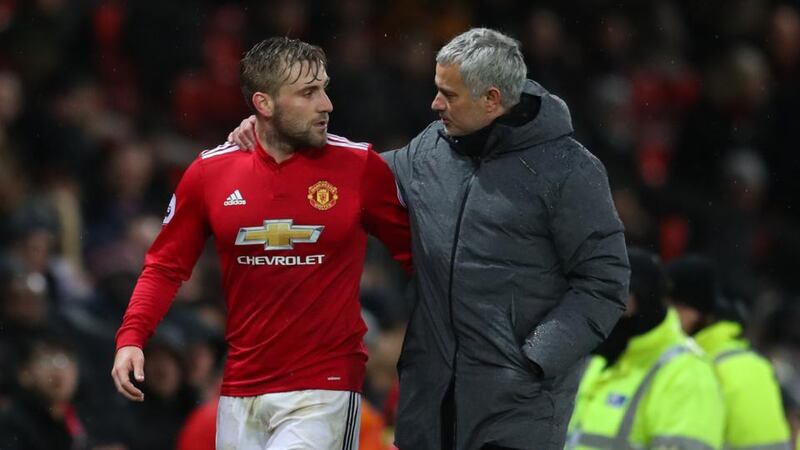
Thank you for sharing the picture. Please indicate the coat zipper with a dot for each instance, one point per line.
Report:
(450, 296)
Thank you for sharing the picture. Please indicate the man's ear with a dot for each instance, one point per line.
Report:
(494, 100)
(263, 103)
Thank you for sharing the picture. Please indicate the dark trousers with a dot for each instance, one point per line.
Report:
(449, 425)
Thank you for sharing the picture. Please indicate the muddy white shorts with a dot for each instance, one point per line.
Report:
(297, 420)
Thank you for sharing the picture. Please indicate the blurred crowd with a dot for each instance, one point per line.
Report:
(690, 105)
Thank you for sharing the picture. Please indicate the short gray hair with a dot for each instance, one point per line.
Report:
(487, 58)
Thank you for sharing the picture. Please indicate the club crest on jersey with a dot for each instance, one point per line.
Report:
(322, 195)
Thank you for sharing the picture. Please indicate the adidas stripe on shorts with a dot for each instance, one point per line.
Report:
(298, 420)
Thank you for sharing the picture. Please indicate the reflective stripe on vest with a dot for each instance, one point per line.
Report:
(675, 442)
(598, 442)
(620, 441)
(725, 355)
(779, 446)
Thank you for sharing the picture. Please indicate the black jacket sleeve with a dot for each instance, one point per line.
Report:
(589, 239)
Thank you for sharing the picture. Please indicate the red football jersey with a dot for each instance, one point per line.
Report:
(291, 239)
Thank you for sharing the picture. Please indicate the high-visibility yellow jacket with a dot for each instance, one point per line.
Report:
(754, 413)
(661, 393)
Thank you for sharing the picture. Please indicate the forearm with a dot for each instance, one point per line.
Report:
(149, 302)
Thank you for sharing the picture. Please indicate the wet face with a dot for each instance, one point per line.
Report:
(461, 114)
(302, 108)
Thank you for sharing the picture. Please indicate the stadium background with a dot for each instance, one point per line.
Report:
(692, 106)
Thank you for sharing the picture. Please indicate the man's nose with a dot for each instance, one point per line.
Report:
(326, 105)
(438, 103)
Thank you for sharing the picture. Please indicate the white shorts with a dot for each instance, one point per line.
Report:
(297, 420)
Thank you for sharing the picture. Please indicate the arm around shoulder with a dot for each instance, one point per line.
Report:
(400, 160)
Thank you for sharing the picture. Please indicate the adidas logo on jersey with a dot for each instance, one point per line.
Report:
(235, 199)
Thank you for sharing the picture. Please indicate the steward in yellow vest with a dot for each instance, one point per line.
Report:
(755, 419)
(650, 387)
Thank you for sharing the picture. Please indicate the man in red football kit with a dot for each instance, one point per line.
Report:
(290, 223)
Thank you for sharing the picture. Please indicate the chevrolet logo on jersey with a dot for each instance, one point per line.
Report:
(279, 234)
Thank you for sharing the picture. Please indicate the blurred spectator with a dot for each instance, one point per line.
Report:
(783, 40)
(207, 116)
(731, 113)
(280, 18)
(13, 193)
(23, 313)
(11, 99)
(372, 435)
(34, 229)
(125, 251)
(25, 308)
(384, 350)
(356, 71)
(169, 399)
(411, 74)
(162, 39)
(127, 189)
(41, 415)
(639, 224)
(754, 414)
(551, 56)
(41, 38)
(737, 232)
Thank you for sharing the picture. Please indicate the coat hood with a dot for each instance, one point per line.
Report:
(538, 117)
(552, 121)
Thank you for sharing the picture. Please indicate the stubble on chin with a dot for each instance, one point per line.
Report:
(312, 138)
(307, 139)
(319, 140)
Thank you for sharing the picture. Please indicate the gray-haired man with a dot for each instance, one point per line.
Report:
(519, 256)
